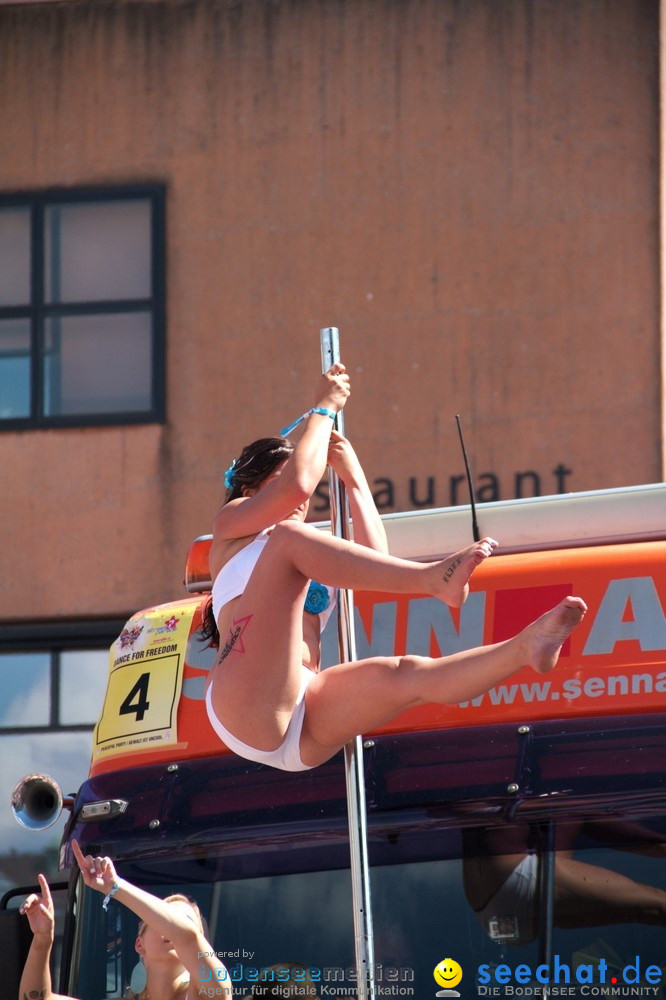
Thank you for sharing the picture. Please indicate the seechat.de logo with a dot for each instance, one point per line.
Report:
(447, 974)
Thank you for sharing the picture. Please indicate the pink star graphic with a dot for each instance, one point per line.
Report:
(240, 624)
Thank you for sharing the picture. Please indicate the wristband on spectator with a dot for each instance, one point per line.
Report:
(109, 896)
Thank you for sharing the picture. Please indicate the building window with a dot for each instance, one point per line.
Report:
(52, 684)
(51, 690)
(82, 308)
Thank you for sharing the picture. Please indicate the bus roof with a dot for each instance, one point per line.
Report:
(568, 520)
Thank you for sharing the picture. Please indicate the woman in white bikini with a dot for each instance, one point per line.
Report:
(267, 700)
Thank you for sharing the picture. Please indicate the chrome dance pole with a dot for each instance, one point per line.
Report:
(358, 839)
(546, 898)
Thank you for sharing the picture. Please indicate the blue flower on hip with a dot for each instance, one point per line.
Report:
(318, 598)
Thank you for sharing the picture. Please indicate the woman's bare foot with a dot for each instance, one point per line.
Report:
(450, 577)
(547, 634)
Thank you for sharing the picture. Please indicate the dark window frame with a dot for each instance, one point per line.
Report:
(37, 312)
(55, 638)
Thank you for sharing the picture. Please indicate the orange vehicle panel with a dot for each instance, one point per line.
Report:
(613, 664)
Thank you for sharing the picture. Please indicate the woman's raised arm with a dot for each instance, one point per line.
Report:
(168, 919)
(36, 977)
(291, 486)
(368, 526)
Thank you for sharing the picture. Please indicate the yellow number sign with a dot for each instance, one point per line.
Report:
(145, 678)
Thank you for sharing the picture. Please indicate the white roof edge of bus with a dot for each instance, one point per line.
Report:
(631, 513)
(565, 520)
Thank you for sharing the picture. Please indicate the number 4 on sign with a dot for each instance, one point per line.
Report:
(136, 703)
(141, 699)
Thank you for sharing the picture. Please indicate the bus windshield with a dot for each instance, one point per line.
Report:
(478, 893)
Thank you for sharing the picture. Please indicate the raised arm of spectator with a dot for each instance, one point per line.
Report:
(36, 979)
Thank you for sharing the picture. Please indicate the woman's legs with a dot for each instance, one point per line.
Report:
(258, 674)
(337, 563)
(354, 698)
(586, 895)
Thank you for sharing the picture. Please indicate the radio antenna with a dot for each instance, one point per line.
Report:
(475, 523)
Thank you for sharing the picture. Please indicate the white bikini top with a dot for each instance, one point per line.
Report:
(232, 579)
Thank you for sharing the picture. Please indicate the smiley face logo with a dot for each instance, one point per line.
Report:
(448, 974)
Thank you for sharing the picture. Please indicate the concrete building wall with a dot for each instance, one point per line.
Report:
(467, 188)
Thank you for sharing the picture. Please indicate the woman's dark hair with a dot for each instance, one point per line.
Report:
(254, 464)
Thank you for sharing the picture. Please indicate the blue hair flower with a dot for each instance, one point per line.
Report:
(318, 598)
(229, 475)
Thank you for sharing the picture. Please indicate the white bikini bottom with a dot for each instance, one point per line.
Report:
(510, 914)
(287, 757)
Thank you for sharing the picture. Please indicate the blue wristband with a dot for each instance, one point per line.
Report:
(109, 896)
(299, 420)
